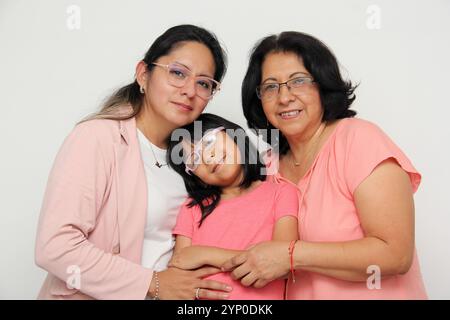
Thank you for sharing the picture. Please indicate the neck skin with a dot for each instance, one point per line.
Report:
(155, 128)
(301, 145)
(230, 192)
(235, 190)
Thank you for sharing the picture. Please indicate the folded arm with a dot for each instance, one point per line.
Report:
(190, 257)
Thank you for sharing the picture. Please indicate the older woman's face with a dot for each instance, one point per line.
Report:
(294, 114)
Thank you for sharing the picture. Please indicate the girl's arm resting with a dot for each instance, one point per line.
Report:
(181, 242)
(286, 229)
(193, 257)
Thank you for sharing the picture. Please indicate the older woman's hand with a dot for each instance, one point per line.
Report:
(261, 264)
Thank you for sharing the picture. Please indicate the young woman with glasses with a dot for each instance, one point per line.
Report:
(111, 202)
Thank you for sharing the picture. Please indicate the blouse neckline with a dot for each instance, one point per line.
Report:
(321, 151)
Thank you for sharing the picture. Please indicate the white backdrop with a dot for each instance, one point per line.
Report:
(56, 68)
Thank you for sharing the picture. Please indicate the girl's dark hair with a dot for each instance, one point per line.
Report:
(162, 46)
(207, 196)
(336, 95)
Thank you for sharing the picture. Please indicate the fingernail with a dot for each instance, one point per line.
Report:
(225, 296)
(228, 288)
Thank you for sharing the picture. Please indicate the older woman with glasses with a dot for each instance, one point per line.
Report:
(111, 202)
(356, 216)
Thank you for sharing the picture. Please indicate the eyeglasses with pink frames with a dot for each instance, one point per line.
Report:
(205, 143)
(179, 75)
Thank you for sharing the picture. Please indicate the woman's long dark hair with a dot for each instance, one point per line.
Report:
(336, 94)
(163, 45)
(206, 196)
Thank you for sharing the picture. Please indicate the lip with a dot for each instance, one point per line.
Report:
(290, 116)
(183, 106)
(218, 165)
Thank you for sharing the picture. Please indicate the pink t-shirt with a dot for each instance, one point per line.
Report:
(327, 212)
(239, 223)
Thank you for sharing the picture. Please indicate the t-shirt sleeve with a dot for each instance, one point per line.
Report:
(286, 201)
(366, 147)
(185, 221)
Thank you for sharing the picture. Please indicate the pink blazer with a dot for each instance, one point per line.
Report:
(93, 215)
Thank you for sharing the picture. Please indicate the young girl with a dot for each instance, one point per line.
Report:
(231, 206)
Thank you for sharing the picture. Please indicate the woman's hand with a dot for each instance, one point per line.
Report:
(177, 284)
(261, 264)
(189, 258)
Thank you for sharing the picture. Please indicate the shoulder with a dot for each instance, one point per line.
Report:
(101, 129)
(281, 187)
(361, 146)
(108, 129)
(189, 211)
(351, 126)
(358, 133)
(97, 136)
(286, 198)
(190, 207)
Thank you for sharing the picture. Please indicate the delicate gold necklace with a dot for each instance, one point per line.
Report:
(157, 163)
(316, 136)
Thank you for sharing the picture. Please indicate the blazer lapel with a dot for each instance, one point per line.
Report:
(131, 192)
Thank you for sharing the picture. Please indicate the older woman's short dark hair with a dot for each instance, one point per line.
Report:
(336, 94)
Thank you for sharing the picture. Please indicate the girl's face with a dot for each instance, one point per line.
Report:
(179, 105)
(218, 158)
(295, 112)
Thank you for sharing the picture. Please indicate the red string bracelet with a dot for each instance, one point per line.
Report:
(291, 258)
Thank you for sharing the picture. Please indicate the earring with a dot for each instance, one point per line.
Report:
(141, 89)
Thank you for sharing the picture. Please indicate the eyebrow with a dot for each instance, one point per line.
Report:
(199, 75)
(290, 76)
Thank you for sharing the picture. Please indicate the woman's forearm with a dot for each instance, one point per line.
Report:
(193, 257)
(216, 257)
(349, 260)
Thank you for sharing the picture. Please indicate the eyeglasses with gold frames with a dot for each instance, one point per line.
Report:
(269, 91)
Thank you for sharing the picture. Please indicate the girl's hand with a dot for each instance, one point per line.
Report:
(189, 258)
(261, 264)
(177, 284)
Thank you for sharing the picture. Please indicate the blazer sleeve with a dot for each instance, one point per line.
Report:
(73, 198)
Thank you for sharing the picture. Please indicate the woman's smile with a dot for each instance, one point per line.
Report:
(291, 114)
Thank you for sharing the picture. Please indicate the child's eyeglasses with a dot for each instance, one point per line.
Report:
(206, 143)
